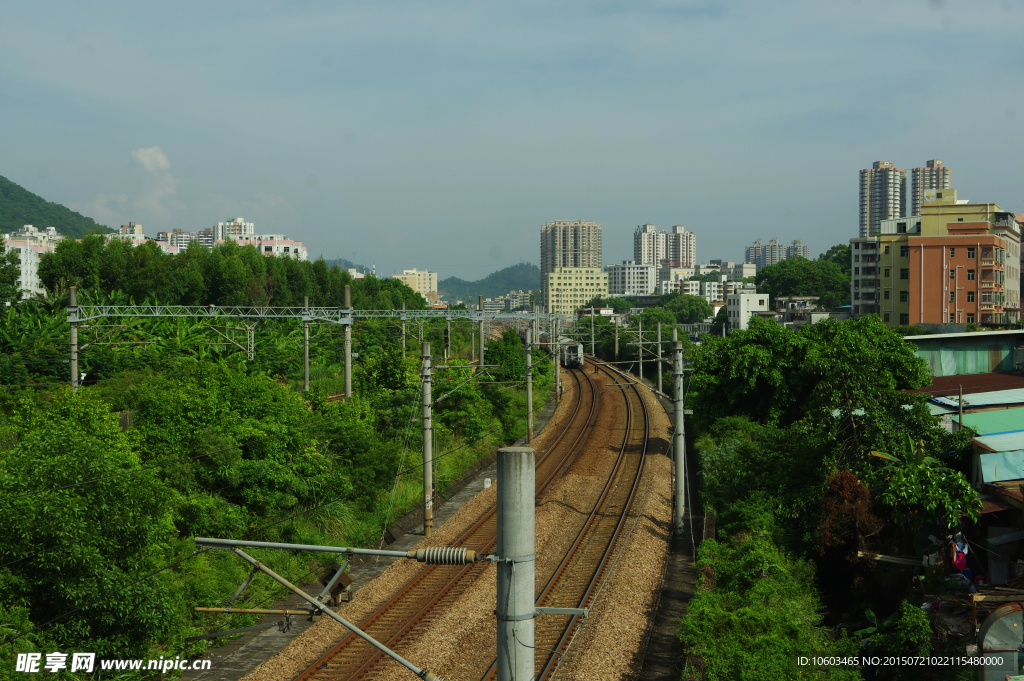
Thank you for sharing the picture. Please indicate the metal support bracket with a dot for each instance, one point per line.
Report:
(564, 611)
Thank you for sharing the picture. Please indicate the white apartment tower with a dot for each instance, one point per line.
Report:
(232, 229)
(935, 175)
(676, 248)
(681, 247)
(648, 245)
(883, 195)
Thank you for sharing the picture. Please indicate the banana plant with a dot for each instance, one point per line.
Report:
(912, 454)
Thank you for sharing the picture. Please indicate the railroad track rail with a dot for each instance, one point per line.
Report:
(584, 568)
(410, 609)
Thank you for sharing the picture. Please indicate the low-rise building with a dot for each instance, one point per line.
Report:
(631, 279)
(566, 289)
(29, 244)
(740, 307)
(423, 282)
(712, 290)
(271, 244)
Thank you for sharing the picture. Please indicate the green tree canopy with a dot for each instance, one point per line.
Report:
(687, 309)
(802, 277)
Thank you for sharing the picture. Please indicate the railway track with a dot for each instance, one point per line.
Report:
(353, 658)
(574, 581)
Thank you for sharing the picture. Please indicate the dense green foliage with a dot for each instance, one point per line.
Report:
(177, 434)
(19, 207)
(228, 274)
(787, 423)
(9, 272)
(802, 277)
(522, 277)
(840, 255)
(755, 610)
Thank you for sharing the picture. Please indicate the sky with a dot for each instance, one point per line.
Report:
(442, 135)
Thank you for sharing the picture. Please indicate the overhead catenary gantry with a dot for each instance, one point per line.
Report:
(251, 315)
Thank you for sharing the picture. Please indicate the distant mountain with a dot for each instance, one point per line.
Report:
(19, 207)
(345, 264)
(523, 276)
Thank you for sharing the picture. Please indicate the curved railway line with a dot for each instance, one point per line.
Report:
(573, 583)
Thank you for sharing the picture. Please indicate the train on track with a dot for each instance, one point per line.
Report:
(571, 353)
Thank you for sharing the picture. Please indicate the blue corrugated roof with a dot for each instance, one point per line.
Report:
(1003, 442)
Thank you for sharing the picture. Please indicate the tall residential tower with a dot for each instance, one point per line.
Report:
(883, 195)
(935, 175)
(569, 243)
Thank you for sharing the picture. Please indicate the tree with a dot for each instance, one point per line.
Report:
(802, 277)
(840, 255)
(652, 315)
(9, 271)
(618, 305)
(721, 319)
(688, 309)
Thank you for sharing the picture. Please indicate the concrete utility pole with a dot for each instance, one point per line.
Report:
(72, 318)
(557, 347)
(640, 345)
(529, 386)
(428, 454)
(403, 329)
(305, 338)
(516, 550)
(659, 357)
(960, 404)
(679, 434)
(480, 308)
(616, 340)
(348, 343)
(592, 333)
(448, 343)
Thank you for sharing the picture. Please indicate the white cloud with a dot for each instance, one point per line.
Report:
(106, 209)
(152, 159)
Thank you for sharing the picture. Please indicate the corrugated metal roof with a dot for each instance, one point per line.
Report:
(972, 383)
(940, 409)
(1004, 442)
(970, 335)
(989, 399)
(994, 422)
(1002, 466)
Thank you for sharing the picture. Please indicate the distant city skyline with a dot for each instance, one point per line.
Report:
(443, 135)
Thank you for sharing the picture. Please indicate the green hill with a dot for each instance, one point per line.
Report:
(19, 207)
(523, 276)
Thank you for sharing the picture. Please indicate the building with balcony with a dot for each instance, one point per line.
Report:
(29, 244)
(423, 282)
(632, 279)
(567, 289)
(957, 263)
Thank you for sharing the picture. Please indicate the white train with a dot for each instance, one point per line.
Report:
(571, 353)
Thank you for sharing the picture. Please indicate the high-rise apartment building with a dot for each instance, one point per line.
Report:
(648, 245)
(676, 248)
(957, 263)
(883, 195)
(680, 247)
(935, 175)
(764, 254)
(222, 231)
(569, 243)
(798, 250)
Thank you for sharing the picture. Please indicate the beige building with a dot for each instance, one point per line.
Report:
(423, 282)
(569, 288)
(569, 243)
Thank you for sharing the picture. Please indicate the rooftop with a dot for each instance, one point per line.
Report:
(995, 422)
(972, 383)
